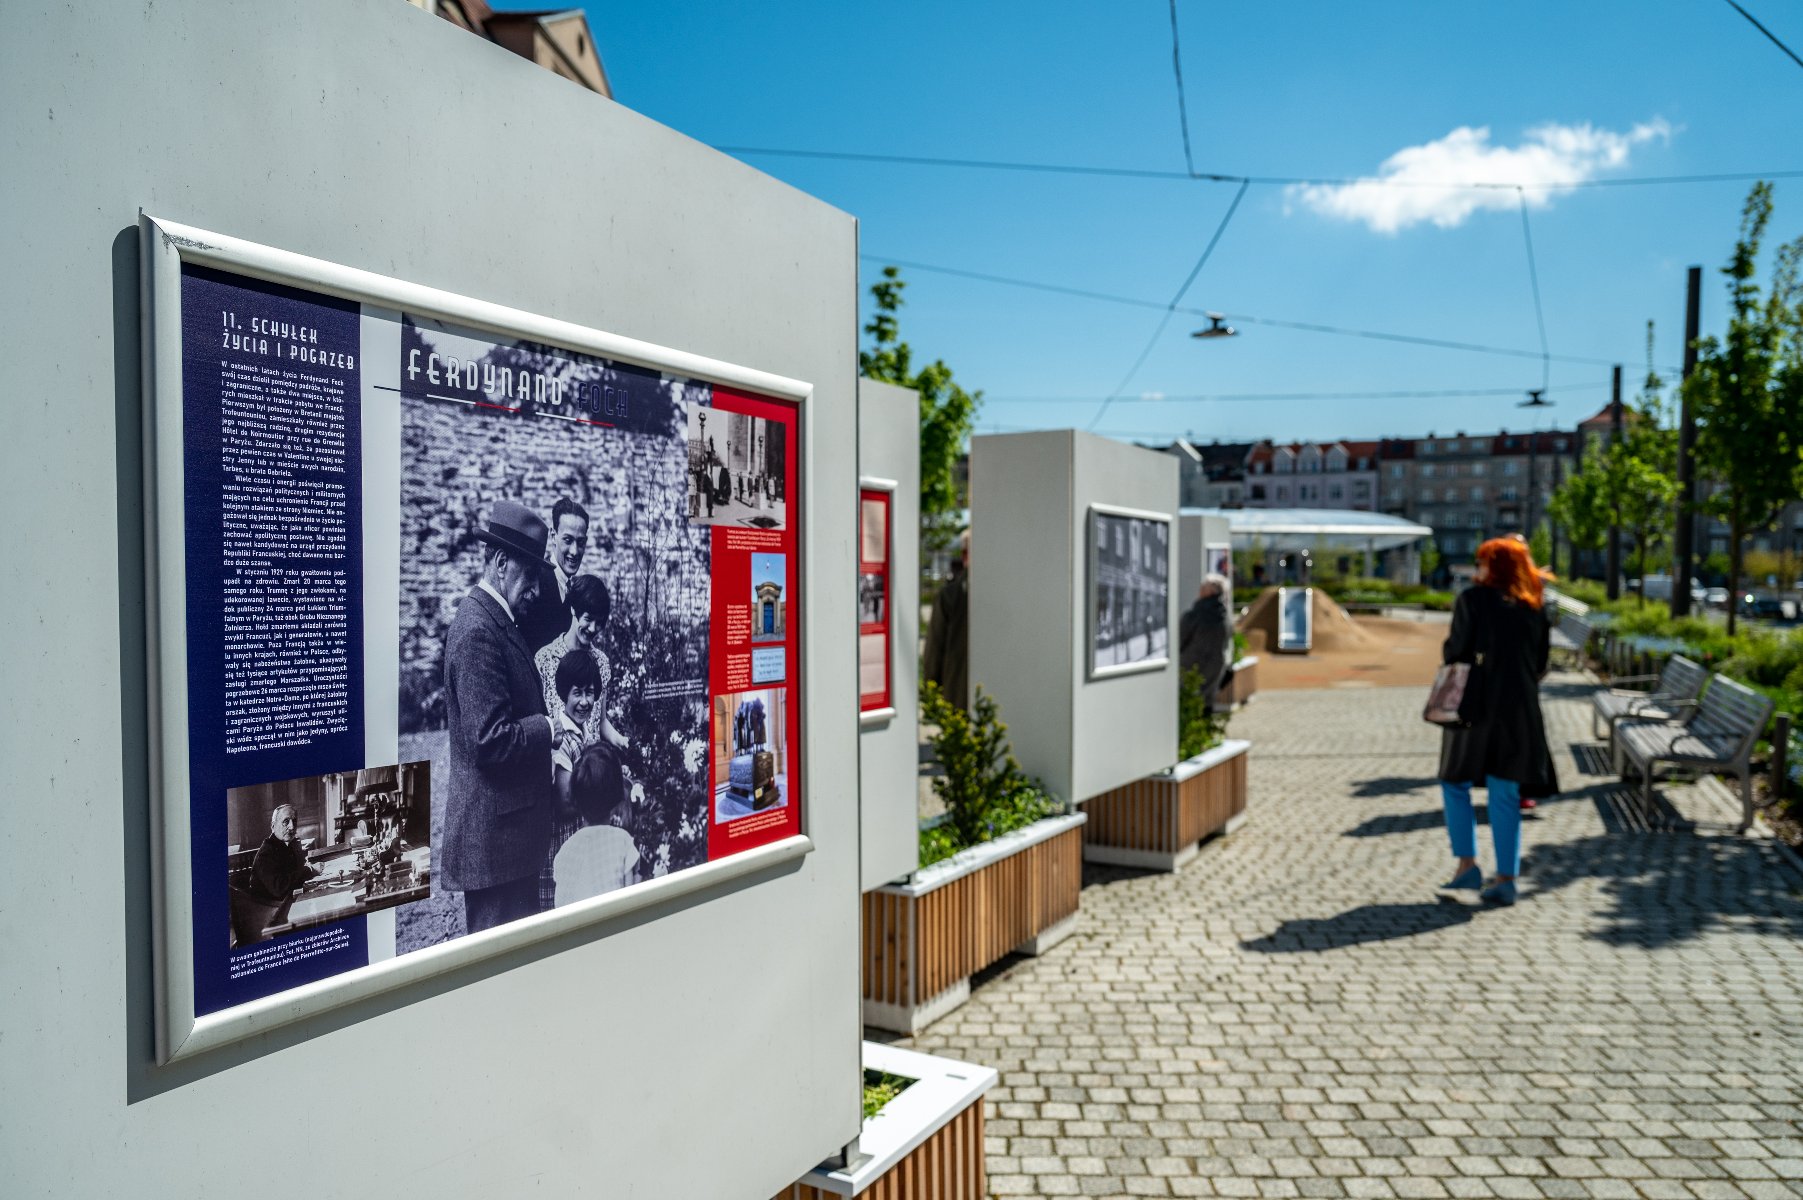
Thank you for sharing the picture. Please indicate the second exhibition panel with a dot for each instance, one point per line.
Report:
(1073, 612)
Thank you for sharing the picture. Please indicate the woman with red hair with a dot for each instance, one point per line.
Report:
(1499, 626)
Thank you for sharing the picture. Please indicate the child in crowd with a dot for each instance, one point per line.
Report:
(578, 683)
(601, 856)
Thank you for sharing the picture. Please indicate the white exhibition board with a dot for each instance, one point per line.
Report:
(597, 1059)
(1087, 683)
(1204, 544)
(888, 742)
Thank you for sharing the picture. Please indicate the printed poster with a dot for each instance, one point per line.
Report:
(477, 628)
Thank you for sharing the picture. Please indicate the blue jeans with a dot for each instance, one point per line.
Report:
(1505, 821)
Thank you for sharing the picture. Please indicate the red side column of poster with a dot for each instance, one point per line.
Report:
(754, 688)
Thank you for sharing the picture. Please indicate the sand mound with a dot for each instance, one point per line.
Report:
(1335, 630)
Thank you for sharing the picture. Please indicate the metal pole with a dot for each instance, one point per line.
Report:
(1614, 569)
(1684, 539)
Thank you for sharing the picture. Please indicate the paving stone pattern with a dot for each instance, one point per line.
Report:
(1299, 1014)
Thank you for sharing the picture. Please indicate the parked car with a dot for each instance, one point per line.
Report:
(1659, 587)
(1764, 608)
(1716, 598)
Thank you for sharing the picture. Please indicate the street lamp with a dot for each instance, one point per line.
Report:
(1216, 328)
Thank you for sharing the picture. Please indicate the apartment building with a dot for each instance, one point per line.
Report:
(1341, 475)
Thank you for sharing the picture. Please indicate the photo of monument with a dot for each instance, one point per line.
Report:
(751, 752)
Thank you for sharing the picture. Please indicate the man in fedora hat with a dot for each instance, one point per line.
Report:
(497, 822)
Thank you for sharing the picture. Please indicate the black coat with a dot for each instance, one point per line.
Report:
(1507, 736)
(498, 799)
(947, 652)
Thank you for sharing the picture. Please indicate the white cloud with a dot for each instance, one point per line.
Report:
(1401, 193)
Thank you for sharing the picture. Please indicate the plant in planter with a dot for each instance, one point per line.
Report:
(1198, 729)
(880, 1087)
(1159, 821)
(984, 790)
(1001, 872)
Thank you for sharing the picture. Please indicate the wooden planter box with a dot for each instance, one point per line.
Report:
(925, 938)
(926, 1144)
(1240, 685)
(1158, 821)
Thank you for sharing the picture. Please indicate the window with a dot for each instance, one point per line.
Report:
(1258, 491)
(1395, 470)
(1427, 470)
(1427, 495)
(1361, 488)
(1477, 495)
(1335, 492)
(1427, 447)
(1511, 468)
(1559, 445)
(1283, 492)
(1478, 468)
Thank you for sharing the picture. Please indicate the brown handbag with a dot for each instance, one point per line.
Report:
(1447, 694)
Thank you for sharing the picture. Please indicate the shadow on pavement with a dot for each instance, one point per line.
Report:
(1391, 785)
(1414, 822)
(1366, 923)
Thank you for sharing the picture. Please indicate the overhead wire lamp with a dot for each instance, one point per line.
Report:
(1216, 328)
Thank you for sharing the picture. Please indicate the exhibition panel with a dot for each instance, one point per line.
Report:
(888, 631)
(1072, 604)
(416, 339)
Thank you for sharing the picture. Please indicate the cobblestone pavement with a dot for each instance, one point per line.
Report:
(1298, 1014)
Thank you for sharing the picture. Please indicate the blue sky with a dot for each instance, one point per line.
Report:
(1316, 90)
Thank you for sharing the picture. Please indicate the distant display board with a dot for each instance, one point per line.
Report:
(874, 618)
(471, 626)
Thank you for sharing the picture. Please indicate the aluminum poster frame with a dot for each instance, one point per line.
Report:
(1091, 590)
(165, 246)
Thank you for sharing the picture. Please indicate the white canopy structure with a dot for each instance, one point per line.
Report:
(1286, 529)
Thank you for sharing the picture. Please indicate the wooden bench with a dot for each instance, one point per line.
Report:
(1718, 735)
(1675, 690)
(1571, 635)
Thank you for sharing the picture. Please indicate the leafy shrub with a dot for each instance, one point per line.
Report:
(984, 790)
(1197, 728)
(880, 1087)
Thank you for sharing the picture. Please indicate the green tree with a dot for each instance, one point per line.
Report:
(1579, 507)
(1540, 544)
(1630, 484)
(1747, 393)
(948, 413)
(1430, 558)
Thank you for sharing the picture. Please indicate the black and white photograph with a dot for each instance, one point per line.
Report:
(1129, 588)
(554, 626)
(769, 603)
(305, 852)
(873, 601)
(751, 752)
(738, 469)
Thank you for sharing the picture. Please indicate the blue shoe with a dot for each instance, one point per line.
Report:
(1468, 880)
(1501, 893)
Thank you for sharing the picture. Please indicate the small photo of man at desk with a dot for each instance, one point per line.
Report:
(322, 848)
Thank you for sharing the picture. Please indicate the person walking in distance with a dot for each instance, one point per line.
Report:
(948, 633)
(1499, 626)
(1205, 636)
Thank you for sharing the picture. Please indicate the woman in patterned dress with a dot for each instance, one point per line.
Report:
(590, 604)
